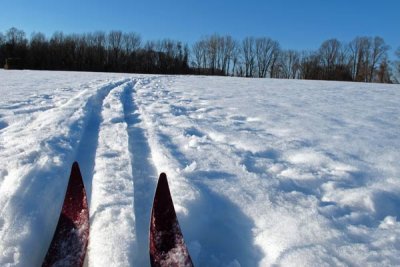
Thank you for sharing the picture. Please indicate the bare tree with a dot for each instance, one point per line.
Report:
(329, 53)
(38, 55)
(309, 66)
(378, 52)
(289, 62)
(228, 49)
(236, 53)
(383, 74)
(2, 38)
(99, 50)
(115, 48)
(214, 54)
(265, 50)
(199, 53)
(2, 49)
(15, 36)
(16, 44)
(398, 60)
(366, 54)
(248, 47)
(115, 40)
(131, 42)
(359, 58)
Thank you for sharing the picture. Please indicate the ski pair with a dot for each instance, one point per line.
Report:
(69, 244)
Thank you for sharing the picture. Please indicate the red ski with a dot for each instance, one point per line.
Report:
(70, 240)
(167, 247)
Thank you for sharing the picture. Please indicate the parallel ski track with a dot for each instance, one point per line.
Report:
(111, 207)
(77, 123)
(125, 196)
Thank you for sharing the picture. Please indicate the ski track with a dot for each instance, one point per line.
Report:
(112, 244)
(144, 175)
(36, 172)
(251, 188)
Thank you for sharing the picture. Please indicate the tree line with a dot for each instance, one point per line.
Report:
(99, 51)
(364, 59)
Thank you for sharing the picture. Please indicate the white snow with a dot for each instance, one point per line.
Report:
(262, 172)
(112, 204)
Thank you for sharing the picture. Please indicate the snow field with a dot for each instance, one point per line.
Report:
(262, 172)
(281, 168)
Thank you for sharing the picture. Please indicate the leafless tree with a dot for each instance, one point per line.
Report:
(228, 47)
(289, 62)
(16, 44)
(115, 48)
(398, 60)
(99, 39)
(2, 38)
(329, 53)
(366, 54)
(38, 51)
(359, 58)
(214, 54)
(2, 49)
(378, 52)
(15, 36)
(236, 54)
(130, 42)
(265, 50)
(249, 55)
(200, 54)
(99, 50)
(115, 40)
(383, 73)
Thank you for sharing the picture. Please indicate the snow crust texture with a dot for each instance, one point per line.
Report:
(262, 172)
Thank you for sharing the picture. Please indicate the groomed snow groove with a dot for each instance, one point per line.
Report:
(143, 173)
(36, 173)
(112, 232)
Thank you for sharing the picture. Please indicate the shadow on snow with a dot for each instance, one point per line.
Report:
(217, 232)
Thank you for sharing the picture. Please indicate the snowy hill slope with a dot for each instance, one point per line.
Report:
(262, 172)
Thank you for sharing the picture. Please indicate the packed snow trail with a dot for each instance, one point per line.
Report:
(263, 172)
(36, 158)
(144, 176)
(112, 237)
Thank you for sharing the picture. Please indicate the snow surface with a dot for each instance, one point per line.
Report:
(262, 172)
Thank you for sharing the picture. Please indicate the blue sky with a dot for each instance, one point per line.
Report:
(295, 24)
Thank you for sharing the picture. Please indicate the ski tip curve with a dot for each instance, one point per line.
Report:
(162, 176)
(76, 173)
(75, 165)
(162, 182)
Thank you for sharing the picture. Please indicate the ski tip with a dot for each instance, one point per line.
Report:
(75, 170)
(163, 176)
(162, 182)
(75, 165)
